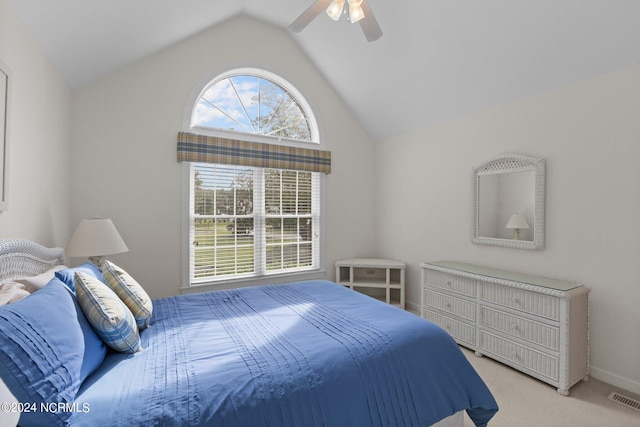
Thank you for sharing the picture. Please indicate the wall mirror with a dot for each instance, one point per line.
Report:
(507, 203)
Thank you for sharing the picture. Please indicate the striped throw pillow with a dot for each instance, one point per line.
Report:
(109, 317)
(130, 292)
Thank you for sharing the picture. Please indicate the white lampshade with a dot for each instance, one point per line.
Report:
(517, 221)
(335, 9)
(355, 11)
(95, 237)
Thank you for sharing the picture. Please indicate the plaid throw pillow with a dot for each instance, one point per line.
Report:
(130, 292)
(110, 318)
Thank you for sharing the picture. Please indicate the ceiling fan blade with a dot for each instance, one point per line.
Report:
(308, 15)
(369, 24)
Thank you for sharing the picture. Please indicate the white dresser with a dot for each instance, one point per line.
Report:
(536, 325)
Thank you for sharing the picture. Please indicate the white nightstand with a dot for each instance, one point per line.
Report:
(377, 273)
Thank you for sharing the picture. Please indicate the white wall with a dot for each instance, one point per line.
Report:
(589, 133)
(124, 147)
(40, 124)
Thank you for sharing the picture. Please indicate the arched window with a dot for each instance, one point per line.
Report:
(253, 180)
(255, 102)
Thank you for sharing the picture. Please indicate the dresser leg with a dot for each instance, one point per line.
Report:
(563, 392)
(478, 354)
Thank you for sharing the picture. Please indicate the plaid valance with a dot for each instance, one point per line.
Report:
(211, 149)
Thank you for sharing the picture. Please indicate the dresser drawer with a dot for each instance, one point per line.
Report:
(450, 304)
(545, 335)
(462, 332)
(533, 324)
(546, 306)
(459, 285)
(536, 362)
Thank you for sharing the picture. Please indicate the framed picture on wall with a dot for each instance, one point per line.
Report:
(4, 135)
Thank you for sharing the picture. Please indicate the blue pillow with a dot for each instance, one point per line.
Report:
(67, 275)
(47, 349)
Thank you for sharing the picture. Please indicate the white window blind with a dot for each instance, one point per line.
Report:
(247, 221)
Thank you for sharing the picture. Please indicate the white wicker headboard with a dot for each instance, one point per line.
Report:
(24, 258)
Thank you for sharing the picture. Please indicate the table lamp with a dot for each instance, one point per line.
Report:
(94, 238)
(517, 222)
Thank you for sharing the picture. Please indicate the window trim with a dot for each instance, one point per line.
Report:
(273, 278)
(316, 142)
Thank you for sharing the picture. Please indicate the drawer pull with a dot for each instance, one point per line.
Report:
(515, 329)
(448, 283)
(515, 355)
(448, 305)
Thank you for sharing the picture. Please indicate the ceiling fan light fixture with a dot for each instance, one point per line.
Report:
(359, 11)
(355, 13)
(335, 9)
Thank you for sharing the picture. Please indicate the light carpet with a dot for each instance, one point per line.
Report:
(525, 401)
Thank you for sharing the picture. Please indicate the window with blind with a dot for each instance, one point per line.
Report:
(254, 207)
(252, 221)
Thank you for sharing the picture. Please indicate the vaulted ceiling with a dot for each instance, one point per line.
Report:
(437, 59)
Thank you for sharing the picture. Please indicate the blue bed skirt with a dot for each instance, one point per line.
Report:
(303, 354)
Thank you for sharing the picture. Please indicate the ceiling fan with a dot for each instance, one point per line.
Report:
(358, 11)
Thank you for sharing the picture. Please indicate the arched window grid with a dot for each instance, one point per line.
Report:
(246, 126)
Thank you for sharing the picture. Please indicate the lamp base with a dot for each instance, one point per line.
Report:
(516, 234)
(97, 260)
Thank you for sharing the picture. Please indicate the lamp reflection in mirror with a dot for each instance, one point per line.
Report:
(94, 238)
(517, 223)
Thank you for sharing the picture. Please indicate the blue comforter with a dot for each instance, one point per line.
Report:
(303, 354)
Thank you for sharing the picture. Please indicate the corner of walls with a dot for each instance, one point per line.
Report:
(589, 134)
(39, 137)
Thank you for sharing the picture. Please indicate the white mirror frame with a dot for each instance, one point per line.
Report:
(504, 163)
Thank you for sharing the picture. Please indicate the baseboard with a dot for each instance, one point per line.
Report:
(615, 380)
(412, 307)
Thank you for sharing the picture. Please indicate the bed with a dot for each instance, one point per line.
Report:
(301, 354)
